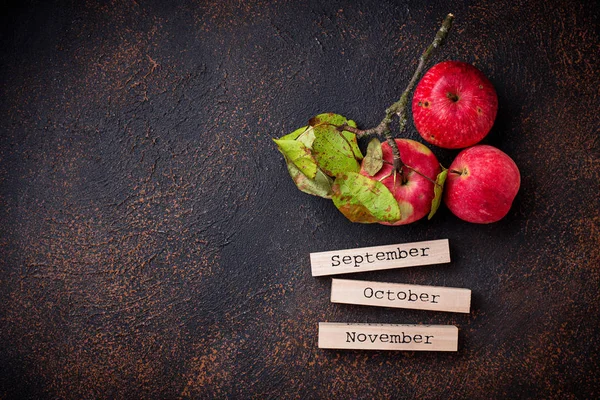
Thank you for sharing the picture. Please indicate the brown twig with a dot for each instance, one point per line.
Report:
(399, 107)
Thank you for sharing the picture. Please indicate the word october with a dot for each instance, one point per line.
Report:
(381, 257)
(400, 295)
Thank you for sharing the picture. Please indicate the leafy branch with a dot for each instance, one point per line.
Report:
(323, 158)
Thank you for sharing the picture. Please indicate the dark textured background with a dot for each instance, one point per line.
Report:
(153, 246)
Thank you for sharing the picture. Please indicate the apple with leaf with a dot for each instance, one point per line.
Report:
(398, 181)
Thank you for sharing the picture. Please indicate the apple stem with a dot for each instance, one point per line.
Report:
(452, 96)
(399, 107)
(397, 160)
(423, 175)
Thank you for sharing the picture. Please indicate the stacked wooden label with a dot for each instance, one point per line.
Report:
(382, 294)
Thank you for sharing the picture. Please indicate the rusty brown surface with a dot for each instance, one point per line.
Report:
(152, 244)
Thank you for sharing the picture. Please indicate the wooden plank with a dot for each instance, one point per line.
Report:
(399, 295)
(334, 335)
(380, 257)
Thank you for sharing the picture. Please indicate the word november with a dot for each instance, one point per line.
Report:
(435, 298)
(381, 257)
(388, 337)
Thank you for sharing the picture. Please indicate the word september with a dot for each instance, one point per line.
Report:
(397, 254)
(380, 257)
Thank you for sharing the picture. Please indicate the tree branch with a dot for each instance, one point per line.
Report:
(400, 106)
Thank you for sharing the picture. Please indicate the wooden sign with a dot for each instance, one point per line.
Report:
(333, 335)
(435, 298)
(381, 257)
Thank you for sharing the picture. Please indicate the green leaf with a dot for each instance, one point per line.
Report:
(351, 139)
(330, 118)
(438, 190)
(332, 151)
(307, 137)
(304, 135)
(294, 135)
(364, 200)
(319, 186)
(337, 151)
(374, 159)
(339, 120)
(299, 154)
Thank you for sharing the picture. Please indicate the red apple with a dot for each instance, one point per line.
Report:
(414, 193)
(454, 105)
(481, 185)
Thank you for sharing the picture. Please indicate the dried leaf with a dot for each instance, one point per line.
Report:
(374, 159)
